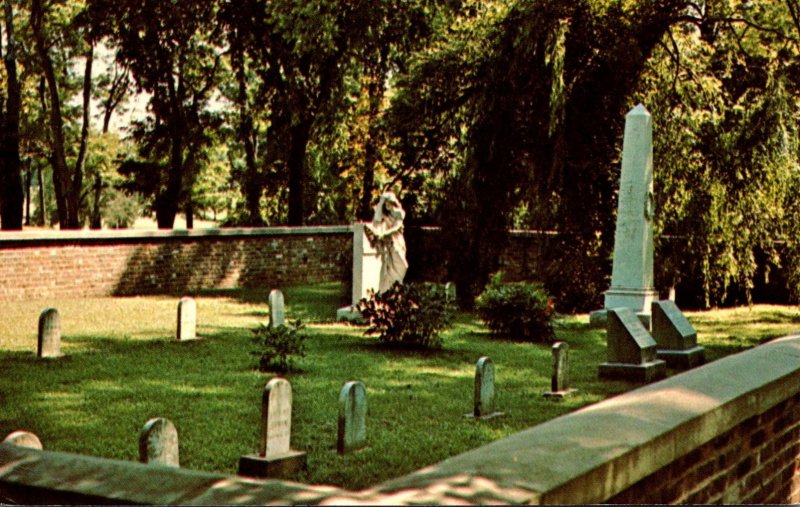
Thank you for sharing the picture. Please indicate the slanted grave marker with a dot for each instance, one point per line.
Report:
(675, 337)
(631, 349)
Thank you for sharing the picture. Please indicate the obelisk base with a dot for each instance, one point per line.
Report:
(645, 372)
(683, 359)
(253, 465)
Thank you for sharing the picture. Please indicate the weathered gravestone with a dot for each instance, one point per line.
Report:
(49, 343)
(484, 399)
(187, 319)
(632, 269)
(559, 381)
(275, 456)
(277, 310)
(631, 349)
(352, 432)
(676, 338)
(366, 273)
(158, 443)
(450, 292)
(23, 439)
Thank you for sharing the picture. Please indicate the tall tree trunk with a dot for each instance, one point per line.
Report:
(252, 182)
(300, 134)
(96, 221)
(42, 204)
(375, 92)
(11, 201)
(77, 180)
(28, 178)
(167, 200)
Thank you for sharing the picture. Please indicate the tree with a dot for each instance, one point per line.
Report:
(10, 177)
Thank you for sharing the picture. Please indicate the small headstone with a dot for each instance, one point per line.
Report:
(450, 292)
(631, 349)
(275, 456)
(277, 313)
(23, 439)
(676, 338)
(49, 333)
(158, 443)
(187, 319)
(559, 382)
(352, 433)
(484, 399)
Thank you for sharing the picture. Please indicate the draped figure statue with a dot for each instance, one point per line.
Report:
(385, 233)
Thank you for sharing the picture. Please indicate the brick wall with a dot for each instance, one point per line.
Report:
(169, 262)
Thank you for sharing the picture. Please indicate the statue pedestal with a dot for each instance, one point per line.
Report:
(683, 359)
(253, 465)
(645, 372)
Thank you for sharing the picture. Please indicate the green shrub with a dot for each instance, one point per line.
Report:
(411, 315)
(279, 346)
(518, 310)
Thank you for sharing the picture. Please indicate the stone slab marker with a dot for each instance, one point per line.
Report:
(23, 439)
(450, 292)
(366, 273)
(631, 349)
(352, 432)
(187, 319)
(49, 343)
(484, 399)
(275, 456)
(559, 381)
(632, 270)
(676, 338)
(277, 309)
(158, 443)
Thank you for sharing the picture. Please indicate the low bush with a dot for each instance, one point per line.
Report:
(411, 315)
(517, 310)
(279, 346)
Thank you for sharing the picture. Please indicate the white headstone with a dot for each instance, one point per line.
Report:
(187, 319)
(352, 432)
(277, 311)
(158, 443)
(366, 272)
(276, 418)
(24, 439)
(484, 393)
(632, 270)
(49, 343)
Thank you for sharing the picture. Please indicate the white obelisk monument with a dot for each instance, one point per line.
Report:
(632, 272)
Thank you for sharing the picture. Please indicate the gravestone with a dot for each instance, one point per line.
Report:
(275, 456)
(632, 269)
(277, 310)
(23, 439)
(187, 319)
(559, 381)
(450, 292)
(676, 338)
(158, 443)
(366, 273)
(631, 349)
(49, 343)
(352, 432)
(484, 393)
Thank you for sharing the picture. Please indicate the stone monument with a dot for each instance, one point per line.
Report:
(23, 439)
(49, 342)
(277, 310)
(275, 457)
(676, 338)
(632, 270)
(631, 349)
(352, 425)
(484, 393)
(366, 273)
(187, 319)
(559, 381)
(158, 443)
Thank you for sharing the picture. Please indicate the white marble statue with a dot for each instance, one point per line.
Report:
(386, 235)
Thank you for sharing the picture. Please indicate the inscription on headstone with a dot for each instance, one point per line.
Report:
(158, 443)
(352, 432)
(484, 392)
(559, 381)
(49, 343)
(277, 312)
(675, 337)
(631, 349)
(187, 319)
(24, 439)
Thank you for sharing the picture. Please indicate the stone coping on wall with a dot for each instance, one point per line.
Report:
(587, 456)
(86, 235)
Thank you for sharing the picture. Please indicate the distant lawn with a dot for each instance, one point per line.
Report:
(123, 366)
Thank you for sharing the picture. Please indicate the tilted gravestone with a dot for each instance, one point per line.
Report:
(277, 311)
(275, 456)
(631, 349)
(632, 268)
(23, 439)
(676, 338)
(187, 319)
(559, 381)
(158, 443)
(49, 343)
(352, 432)
(484, 393)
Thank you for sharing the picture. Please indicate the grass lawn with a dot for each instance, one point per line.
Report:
(123, 366)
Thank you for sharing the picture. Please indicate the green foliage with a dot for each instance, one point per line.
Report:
(121, 210)
(279, 346)
(518, 310)
(411, 315)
